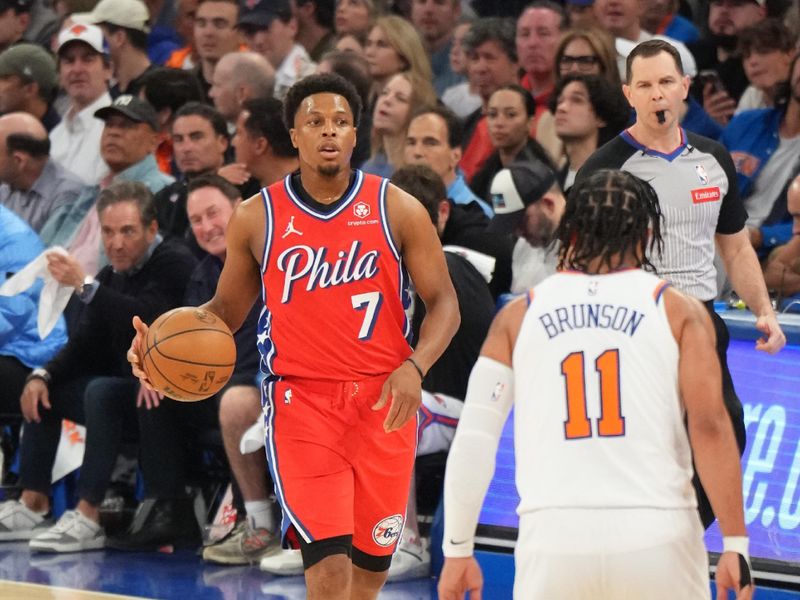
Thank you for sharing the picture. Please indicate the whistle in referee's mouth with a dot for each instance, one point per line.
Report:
(660, 116)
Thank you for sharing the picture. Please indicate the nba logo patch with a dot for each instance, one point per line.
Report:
(701, 173)
(388, 530)
(361, 210)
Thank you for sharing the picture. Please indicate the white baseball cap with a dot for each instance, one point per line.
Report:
(132, 14)
(90, 35)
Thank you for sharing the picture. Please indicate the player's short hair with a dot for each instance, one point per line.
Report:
(493, 29)
(128, 191)
(170, 88)
(455, 127)
(608, 214)
(424, 184)
(212, 180)
(320, 83)
(204, 111)
(649, 49)
(265, 119)
(354, 68)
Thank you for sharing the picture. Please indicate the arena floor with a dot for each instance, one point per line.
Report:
(183, 576)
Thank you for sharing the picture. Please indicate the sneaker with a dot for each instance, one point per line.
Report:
(411, 560)
(72, 533)
(18, 522)
(285, 562)
(245, 545)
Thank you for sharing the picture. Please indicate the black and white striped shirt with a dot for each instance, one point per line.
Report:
(699, 196)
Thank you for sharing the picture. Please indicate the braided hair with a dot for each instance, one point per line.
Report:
(609, 214)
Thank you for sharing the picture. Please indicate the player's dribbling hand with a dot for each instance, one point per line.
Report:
(135, 354)
(404, 388)
(729, 578)
(34, 392)
(147, 397)
(775, 339)
(460, 576)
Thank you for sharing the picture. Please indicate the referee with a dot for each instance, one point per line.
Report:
(696, 184)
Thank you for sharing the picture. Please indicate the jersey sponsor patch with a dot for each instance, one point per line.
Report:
(709, 194)
(387, 531)
(361, 210)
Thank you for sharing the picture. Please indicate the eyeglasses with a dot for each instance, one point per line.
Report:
(584, 63)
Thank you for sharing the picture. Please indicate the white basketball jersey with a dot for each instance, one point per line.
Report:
(598, 420)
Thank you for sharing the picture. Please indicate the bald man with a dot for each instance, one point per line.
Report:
(33, 185)
(240, 76)
(782, 272)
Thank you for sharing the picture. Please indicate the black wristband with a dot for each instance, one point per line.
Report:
(416, 366)
(38, 374)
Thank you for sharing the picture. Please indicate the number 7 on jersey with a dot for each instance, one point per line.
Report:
(611, 422)
(371, 304)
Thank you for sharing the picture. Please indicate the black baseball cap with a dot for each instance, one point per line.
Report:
(132, 107)
(19, 6)
(259, 14)
(514, 189)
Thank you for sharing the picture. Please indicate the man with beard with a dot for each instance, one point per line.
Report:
(529, 203)
(328, 249)
(717, 53)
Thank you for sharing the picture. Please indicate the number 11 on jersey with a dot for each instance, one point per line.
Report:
(611, 422)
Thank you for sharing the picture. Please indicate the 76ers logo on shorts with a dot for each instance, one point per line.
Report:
(387, 531)
(361, 210)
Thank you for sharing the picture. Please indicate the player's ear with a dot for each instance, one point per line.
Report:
(293, 136)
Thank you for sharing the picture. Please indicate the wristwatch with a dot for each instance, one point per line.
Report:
(39, 373)
(86, 286)
(87, 290)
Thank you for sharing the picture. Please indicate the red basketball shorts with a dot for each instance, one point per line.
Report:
(336, 471)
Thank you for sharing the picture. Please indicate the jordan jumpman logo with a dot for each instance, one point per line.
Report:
(290, 228)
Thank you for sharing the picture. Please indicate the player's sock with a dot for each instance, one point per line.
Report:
(260, 512)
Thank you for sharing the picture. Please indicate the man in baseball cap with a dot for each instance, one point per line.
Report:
(527, 202)
(84, 71)
(15, 15)
(125, 27)
(28, 75)
(133, 108)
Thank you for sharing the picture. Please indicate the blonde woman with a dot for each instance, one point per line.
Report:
(393, 109)
(394, 46)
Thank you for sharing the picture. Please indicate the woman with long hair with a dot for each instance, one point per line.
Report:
(393, 109)
(394, 46)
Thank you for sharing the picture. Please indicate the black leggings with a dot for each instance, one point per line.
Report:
(732, 404)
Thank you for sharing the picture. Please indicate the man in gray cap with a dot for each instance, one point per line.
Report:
(28, 82)
(125, 27)
(528, 203)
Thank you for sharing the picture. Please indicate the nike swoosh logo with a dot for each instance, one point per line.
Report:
(455, 543)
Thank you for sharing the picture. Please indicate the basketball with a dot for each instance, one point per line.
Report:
(189, 354)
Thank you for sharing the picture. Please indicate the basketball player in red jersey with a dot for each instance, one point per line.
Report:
(329, 250)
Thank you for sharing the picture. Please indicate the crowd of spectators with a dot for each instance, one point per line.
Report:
(131, 129)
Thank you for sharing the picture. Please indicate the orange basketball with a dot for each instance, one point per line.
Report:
(189, 354)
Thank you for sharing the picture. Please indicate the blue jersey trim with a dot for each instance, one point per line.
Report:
(349, 196)
(625, 135)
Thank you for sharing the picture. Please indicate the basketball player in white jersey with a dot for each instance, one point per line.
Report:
(602, 362)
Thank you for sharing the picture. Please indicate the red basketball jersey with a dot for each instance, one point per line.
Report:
(334, 286)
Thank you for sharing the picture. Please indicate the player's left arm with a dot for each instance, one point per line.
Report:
(424, 259)
(744, 272)
(471, 461)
